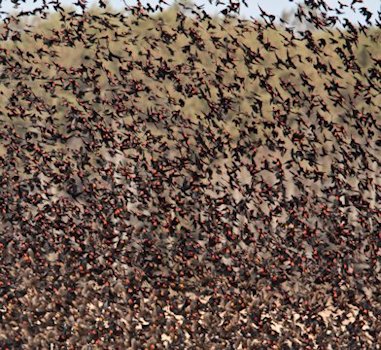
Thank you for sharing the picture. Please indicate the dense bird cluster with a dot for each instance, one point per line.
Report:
(189, 181)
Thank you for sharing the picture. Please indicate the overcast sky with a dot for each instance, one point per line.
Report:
(272, 6)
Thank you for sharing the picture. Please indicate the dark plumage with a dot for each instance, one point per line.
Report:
(171, 179)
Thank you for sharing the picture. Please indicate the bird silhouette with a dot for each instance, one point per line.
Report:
(176, 179)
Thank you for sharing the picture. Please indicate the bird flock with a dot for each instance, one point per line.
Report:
(171, 179)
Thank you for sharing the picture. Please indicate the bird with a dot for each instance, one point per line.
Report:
(174, 178)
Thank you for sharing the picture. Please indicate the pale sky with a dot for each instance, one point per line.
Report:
(274, 7)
